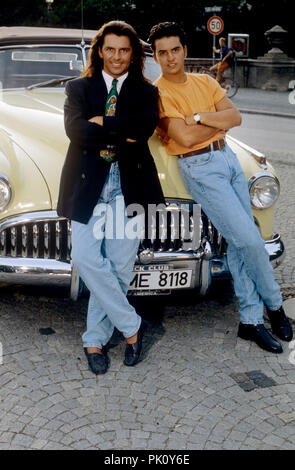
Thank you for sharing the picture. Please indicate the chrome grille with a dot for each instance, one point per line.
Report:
(181, 231)
(45, 235)
(36, 235)
(216, 240)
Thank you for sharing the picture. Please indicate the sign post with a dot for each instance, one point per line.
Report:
(215, 26)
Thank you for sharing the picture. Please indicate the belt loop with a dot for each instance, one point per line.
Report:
(211, 147)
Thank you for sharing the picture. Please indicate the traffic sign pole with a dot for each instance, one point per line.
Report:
(215, 26)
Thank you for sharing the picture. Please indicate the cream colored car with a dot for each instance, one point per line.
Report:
(35, 244)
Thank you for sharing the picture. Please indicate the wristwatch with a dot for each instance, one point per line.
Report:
(197, 118)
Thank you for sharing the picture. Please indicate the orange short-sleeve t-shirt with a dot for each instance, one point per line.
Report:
(200, 93)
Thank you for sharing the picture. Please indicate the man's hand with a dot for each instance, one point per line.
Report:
(162, 130)
(97, 120)
(189, 120)
(183, 134)
(225, 117)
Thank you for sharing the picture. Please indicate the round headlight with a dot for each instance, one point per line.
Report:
(264, 189)
(5, 192)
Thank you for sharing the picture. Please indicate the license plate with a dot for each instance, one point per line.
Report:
(170, 279)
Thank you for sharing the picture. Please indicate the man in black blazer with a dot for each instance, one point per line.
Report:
(110, 113)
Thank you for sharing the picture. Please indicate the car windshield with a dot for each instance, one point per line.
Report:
(24, 66)
(152, 70)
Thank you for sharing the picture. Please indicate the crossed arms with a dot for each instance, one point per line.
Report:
(187, 133)
(95, 132)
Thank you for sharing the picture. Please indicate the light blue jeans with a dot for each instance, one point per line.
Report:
(217, 182)
(104, 257)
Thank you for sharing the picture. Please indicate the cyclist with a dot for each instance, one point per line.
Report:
(226, 56)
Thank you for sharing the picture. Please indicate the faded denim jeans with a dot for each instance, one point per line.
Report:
(104, 259)
(216, 181)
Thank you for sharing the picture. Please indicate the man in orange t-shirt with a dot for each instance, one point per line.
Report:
(195, 115)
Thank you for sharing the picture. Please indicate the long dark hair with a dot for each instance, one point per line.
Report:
(120, 28)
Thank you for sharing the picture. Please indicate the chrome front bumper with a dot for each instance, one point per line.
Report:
(276, 250)
(34, 271)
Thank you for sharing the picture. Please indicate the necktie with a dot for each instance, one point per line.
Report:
(109, 154)
(112, 100)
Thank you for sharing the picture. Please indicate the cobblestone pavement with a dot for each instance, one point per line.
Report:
(190, 391)
(198, 386)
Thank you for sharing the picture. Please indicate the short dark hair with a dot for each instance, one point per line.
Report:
(119, 28)
(166, 29)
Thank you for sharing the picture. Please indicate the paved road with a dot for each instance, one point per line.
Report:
(276, 138)
(271, 135)
(273, 102)
(198, 387)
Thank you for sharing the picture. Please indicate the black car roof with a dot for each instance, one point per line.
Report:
(10, 35)
(30, 34)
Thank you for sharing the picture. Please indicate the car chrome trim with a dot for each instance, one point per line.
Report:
(261, 174)
(259, 157)
(27, 217)
(42, 235)
(150, 257)
(32, 271)
(205, 275)
(35, 271)
(6, 181)
(276, 250)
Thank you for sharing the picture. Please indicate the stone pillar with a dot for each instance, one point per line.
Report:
(275, 69)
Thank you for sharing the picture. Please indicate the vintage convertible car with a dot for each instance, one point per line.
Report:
(35, 244)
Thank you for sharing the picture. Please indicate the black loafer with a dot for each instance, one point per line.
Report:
(133, 351)
(260, 335)
(98, 363)
(280, 324)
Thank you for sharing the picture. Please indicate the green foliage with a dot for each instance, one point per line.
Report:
(142, 14)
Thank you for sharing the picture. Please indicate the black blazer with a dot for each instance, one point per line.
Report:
(84, 171)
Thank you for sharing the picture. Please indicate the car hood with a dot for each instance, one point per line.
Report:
(33, 119)
(42, 99)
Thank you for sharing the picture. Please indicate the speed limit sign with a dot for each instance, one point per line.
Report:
(215, 25)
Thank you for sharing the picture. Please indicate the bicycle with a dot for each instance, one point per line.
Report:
(229, 80)
(230, 83)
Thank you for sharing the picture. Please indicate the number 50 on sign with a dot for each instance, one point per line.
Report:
(215, 25)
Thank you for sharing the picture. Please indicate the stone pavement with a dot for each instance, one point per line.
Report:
(252, 100)
(198, 387)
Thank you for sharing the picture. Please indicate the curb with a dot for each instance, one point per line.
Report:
(266, 113)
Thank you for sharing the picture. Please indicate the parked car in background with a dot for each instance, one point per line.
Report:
(35, 244)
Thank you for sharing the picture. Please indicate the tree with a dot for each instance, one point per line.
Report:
(240, 16)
